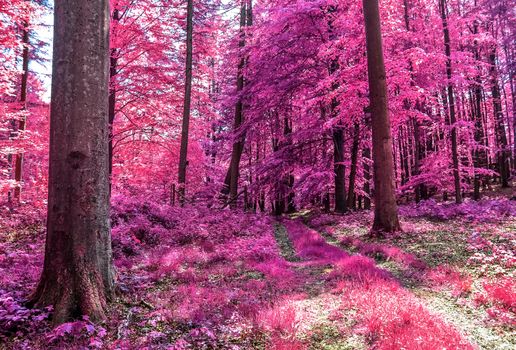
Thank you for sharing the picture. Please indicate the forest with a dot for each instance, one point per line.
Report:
(258, 174)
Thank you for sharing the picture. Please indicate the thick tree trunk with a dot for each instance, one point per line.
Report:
(504, 167)
(451, 104)
(183, 154)
(386, 208)
(18, 167)
(77, 277)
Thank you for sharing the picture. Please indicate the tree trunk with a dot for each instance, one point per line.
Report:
(353, 170)
(231, 180)
(18, 167)
(77, 277)
(451, 103)
(338, 131)
(479, 157)
(386, 208)
(339, 169)
(183, 154)
(113, 66)
(366, 154)
(504, 167)
(289, 180)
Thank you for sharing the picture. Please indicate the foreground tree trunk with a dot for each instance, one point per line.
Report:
(77, 277)
(183, 155)
(386, 208)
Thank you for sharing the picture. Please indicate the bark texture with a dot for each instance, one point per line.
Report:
(386, 208)
(504, 153)
(77, 277)
(341, 204)
(183, 154)
(233, 174)
(354, 165)
(113, 71)
(18, 167)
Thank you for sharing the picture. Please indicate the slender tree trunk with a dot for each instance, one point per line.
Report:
(113, 67)
(232, 177)
(513, 103)
(501, 137)
(479, 158)
(451, 103)
(18, 167)
(353, 170)
(77, 277)
(386, 208)
(339, 169)
(183, 154)
(338, 131)
(366, 154)
(289, 180)
(417, 158)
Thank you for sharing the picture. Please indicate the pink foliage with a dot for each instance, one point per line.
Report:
(391, 318)
(384, 251)
(448, 277)
(502, 293)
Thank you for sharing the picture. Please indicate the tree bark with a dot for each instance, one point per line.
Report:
(18, 167)
(386, 208)
(183, 154)
(77, 277)
(113, 67)
(338, 131)
(451, 103)
(339, 170)
(353, 170)
(366, 155)
(479, 157)
(233, 174)
(503, 154)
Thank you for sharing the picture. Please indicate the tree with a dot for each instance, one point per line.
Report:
(77, 277)
(451, 103)
(386, 209)
(23, 100)
(183, 161)
(341, 205)
(501, 137)
(233, 175)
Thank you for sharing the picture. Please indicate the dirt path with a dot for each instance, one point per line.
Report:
(367, 305)
(465, 318)
(314, 310)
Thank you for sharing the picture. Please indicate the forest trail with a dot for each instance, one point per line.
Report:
(423, 282)
(367, 303)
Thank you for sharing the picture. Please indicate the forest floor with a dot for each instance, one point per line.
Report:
(197, 278)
